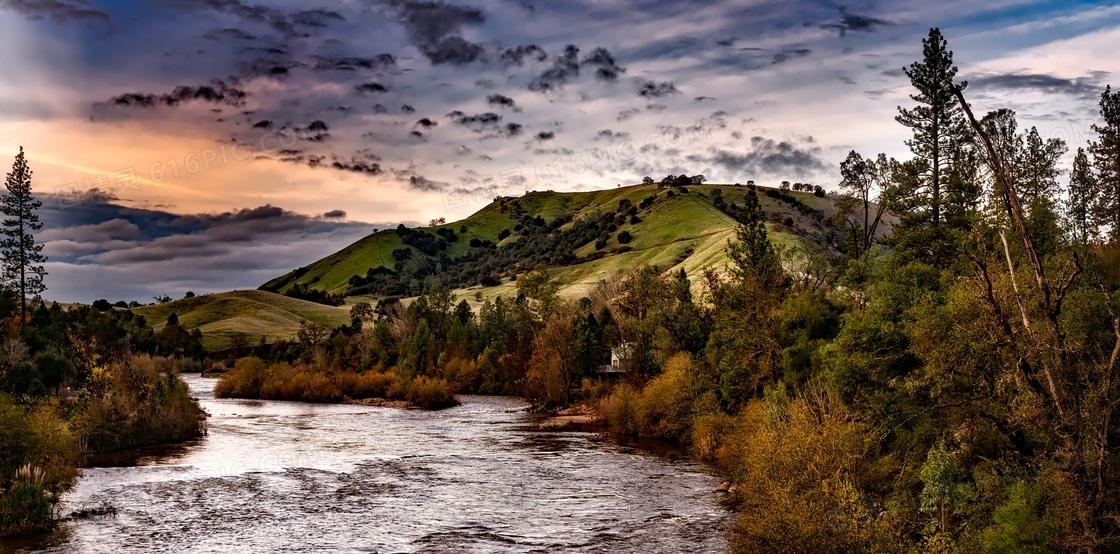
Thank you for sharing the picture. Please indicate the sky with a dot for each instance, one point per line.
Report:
(210, 145)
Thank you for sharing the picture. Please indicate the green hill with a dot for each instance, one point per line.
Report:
(254, 312)
(580, 236)
(672, 230)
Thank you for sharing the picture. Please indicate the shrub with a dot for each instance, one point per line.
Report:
(431, 394)
(625, 237)
(38, 463)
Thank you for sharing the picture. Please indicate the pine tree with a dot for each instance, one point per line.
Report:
(940, 139)
(22, 259)
(752, 255)
(1082, 192)
(1106, 160)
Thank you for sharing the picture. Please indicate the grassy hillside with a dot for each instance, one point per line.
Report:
(256, 313)
(675, 230)
(668, 228)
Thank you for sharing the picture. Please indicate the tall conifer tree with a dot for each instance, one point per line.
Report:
(21, 257)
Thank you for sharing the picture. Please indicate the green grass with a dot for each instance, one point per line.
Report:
(669, 228)
(683, 231)
(256, 313)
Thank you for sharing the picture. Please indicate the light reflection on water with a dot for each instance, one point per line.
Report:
(295, 477)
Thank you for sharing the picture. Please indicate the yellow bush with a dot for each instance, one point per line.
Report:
(798, 475)
(664, 408)
(431, 394)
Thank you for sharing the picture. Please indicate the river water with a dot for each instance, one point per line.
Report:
(296, 477)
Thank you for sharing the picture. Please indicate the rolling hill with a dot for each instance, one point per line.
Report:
(672, 230)
(583, 237)
(253, 312)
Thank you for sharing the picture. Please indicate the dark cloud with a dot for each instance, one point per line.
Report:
(520, 54)
(855, 22)
(335, 214)
(263, 124)
(650, 89)
(217, 92)
(769, 157)
(417, 182)
(435, 27)
(378, 62)
(357, 166)
(407, 108)
(545, 135)
(607, 69)
(59, 11)
(370, 88)
(1088, 86)
(703, 99)
(426, 123)
(477, 123)
(564, 68)
(500, 101)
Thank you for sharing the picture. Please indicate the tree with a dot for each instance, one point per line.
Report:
(647, 180)
(939, 135)
(362, 311)
(1106, 160)
(22, 259)
(189, 294)
(863, 179)
(752, 255)
(1082, 193)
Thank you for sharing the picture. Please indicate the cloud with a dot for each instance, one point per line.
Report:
(370, 88)
(217, 92)
(335, 214)
(500, 101)
(352, 64)
(564, 68)
(59, 11)
(607, 69)
(650, 89)
(98, 232)
(850, 21)
(435, 27)
(1087, 86)
(518, 55)
(770, 157)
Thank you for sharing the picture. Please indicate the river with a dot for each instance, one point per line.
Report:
(296, 477)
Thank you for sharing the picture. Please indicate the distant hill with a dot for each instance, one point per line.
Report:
(580, 236)
(254, 312)
(672, 229)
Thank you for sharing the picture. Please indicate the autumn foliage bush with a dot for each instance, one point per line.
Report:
(255, 378)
